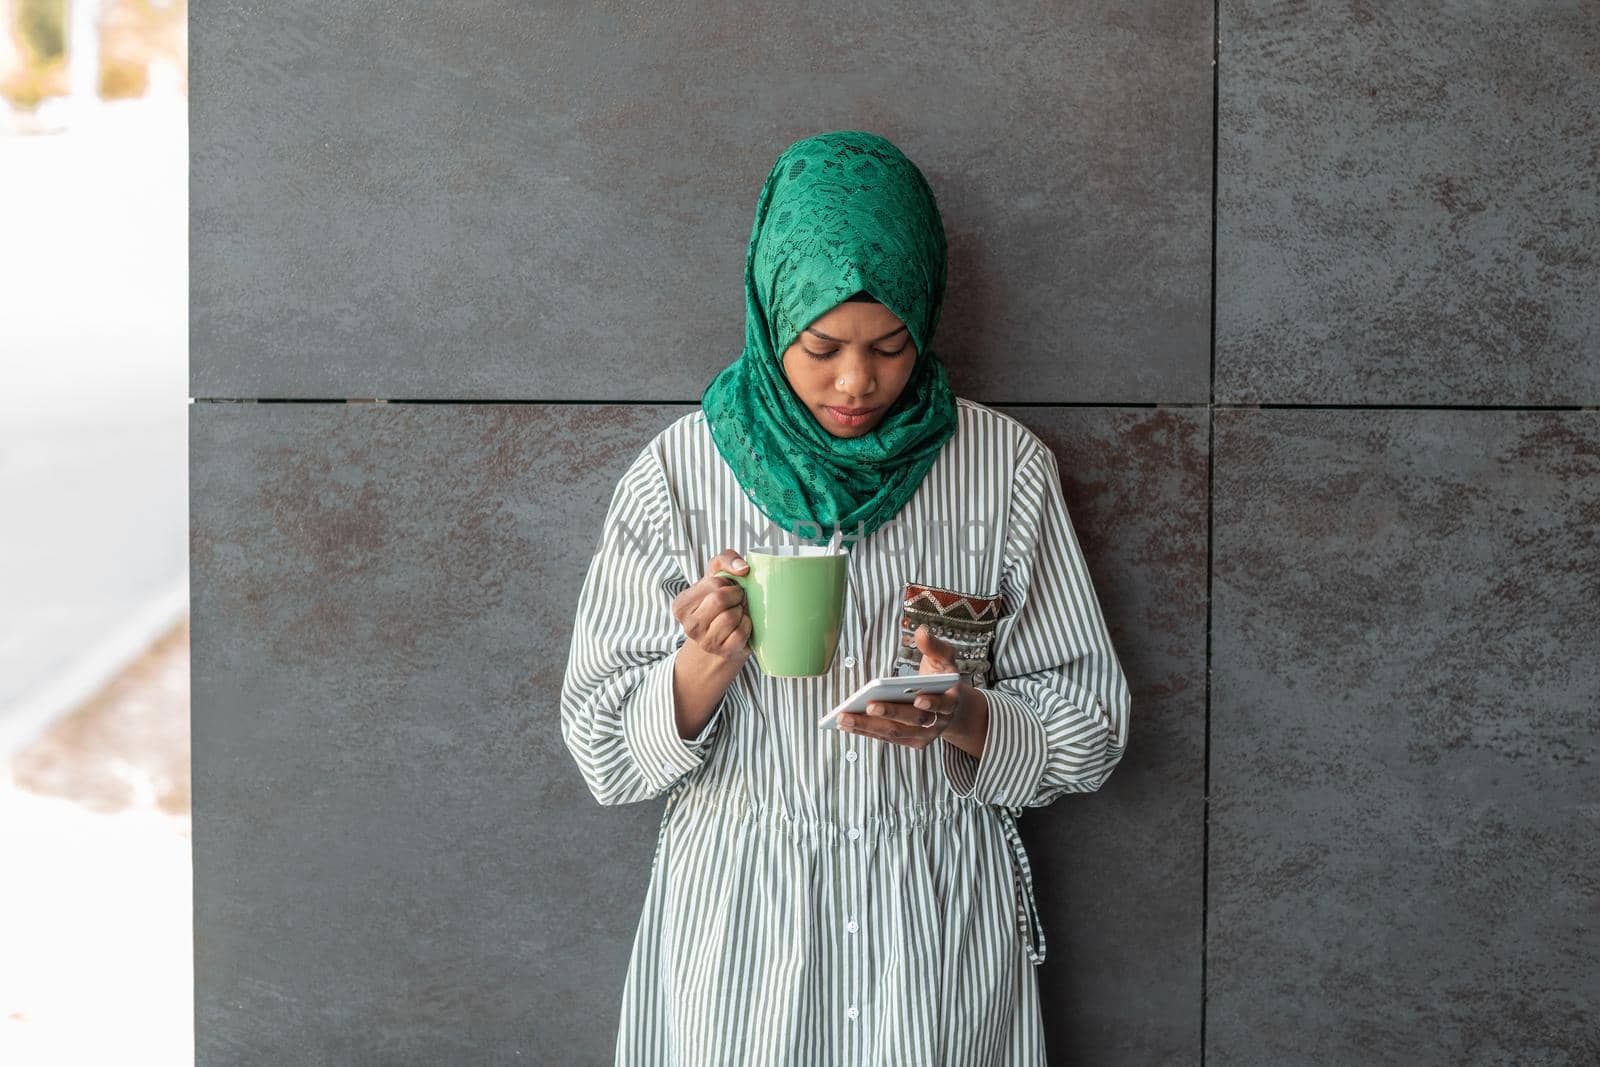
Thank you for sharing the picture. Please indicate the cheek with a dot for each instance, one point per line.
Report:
(795, 371)
(806, 375)
(903, 374)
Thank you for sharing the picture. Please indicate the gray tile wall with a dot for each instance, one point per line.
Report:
(1405, 737)
(1367, 630)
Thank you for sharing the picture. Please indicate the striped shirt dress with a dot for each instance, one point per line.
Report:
(819, 897)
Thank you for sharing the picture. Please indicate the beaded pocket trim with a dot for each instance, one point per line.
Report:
(966, 620)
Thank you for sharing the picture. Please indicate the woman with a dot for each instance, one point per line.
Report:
(856, 896)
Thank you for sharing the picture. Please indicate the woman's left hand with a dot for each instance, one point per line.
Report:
(902, 721)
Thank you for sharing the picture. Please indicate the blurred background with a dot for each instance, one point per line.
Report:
(95, 963)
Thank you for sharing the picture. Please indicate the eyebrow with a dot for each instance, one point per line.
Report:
(836, 340)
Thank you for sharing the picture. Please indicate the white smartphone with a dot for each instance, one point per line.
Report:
(898, 688)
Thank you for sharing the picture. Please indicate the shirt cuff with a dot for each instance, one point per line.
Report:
(1014, 754)
(650, 727)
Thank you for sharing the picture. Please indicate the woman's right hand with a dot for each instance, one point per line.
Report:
(712, 611)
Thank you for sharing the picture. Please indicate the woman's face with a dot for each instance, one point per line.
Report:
(859, 355)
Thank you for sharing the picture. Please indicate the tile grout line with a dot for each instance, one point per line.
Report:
(1209, 406)
(1211, 447)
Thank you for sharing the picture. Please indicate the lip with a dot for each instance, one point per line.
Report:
(849, 417)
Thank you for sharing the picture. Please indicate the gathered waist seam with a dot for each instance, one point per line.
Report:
(801, 827)
(1029, 924)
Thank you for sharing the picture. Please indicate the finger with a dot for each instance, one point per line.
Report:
(938, 655)
(938, 703)
(723, 597)
(944, 703)
(728, 633)
(870, 726)
(738, 640)
(720, 628)
(905, 714)
(684, 603)
(741, 634)
(727, 560)
(881, 711)
(699, 628)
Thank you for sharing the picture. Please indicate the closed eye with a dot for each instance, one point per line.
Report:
(829, 353)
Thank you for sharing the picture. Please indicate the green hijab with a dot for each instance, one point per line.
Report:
(839, 213)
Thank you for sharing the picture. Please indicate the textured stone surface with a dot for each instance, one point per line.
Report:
(1119, 872)
(495, 201)
(1405, 738)
(1408, 203)
(395, 857)
(394, 851)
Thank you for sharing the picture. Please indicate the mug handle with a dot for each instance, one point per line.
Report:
(742, 579)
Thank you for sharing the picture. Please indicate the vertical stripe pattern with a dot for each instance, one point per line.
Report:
(825, 898)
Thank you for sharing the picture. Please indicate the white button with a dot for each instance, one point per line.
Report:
(849, 661)
(853, 834)
(850, 755)
(851, 926)
(851, 1011)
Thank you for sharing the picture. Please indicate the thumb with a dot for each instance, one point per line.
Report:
(938, 655)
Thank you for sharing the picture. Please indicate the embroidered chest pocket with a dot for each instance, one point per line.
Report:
(966, 620)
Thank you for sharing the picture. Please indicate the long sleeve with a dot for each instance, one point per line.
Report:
(1058, 698)
(617, 706)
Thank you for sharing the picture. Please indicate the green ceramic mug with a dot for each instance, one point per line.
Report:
(796, 606)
